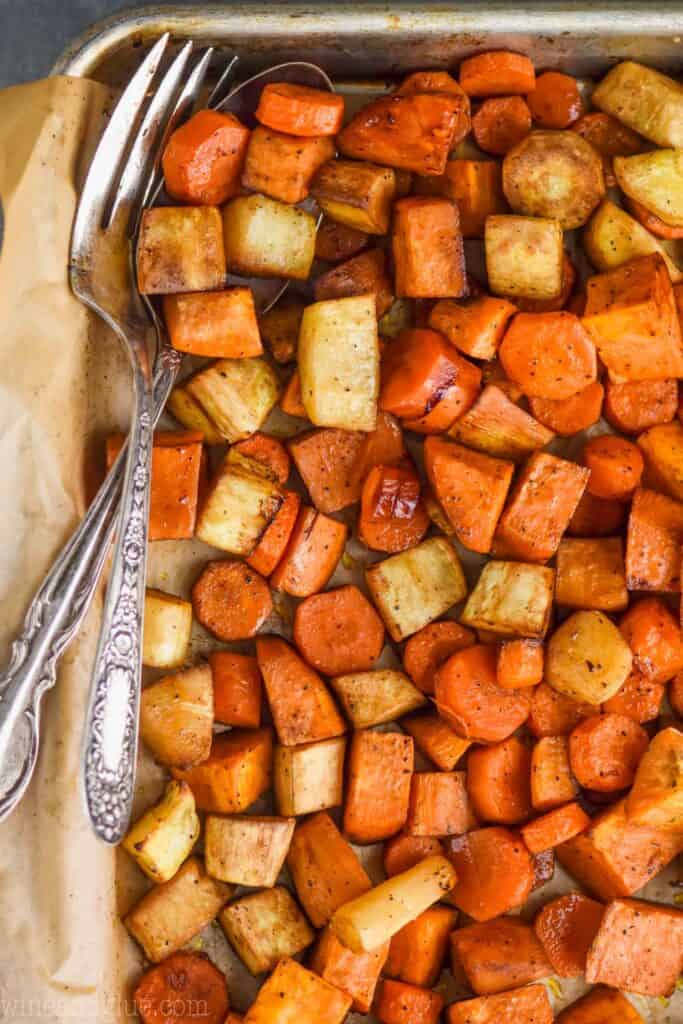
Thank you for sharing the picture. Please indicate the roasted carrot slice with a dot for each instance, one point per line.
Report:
(475, 326)
(314, 549)
(327, 461)
(302, 707)
(499, 955)
(568, 416)
(555, 101)
(430, 81)
(497, 73)
(404, 852)
(380, 767)
(231, 600)
(392, 515)
(555, 714)
(273, 543)
(520, 663)
(653, 542)
(399, 1003)
(610, 137)
(236, 689)
(654, 636)
(500, 123)
(283, 166)
(477, 188)
(550, 355)
(566, 927)
(338, 631)
(555, 827)
(499, 782)
(470, 699)
(640, 698)
(183, 981)
(222, 325)
(616, 467)
(495, 872)
(300, 110)
(356, 974)
(438, 804)
(429, 258)
(335, 242)
(269, 452)
(430, 647)
(552, 782)
(202, 161)
(635, 405)
(417, 951)
(604, 752)
(235, 774)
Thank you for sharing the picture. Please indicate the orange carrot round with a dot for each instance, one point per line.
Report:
(500, 123)
(549, 355)
(470, 699)
(419, 369)
(566, 927)
(430, 647)
(520, 663)
(300, 110)
(568, 416)
(202, 161)
(635, 405)
(499, 782)
(596, 517)
(173, 989)
(556, 101)
(604, 752)
(338, 631)
(269, 452)
(392, 516)
(639, 698)
(273, 543)
(495, 872)
(401, 1003)
(497, 73)
(554, 714)
(616, 467)
(403, 852)
(554, 828)
(231, 600)
(654, 636)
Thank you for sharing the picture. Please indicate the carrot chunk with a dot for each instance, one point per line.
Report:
(475, 326)
(417, 951)
(527, 1005)
(399, 1003)
(520, 664)
(499, 782)
(231, 600)
(552, 782)
(566, 927)
(555, 827)
(364, 274)
(555, 714)
(596, 517)
(356, 974)
(271, 547)
(236, 773)
(500, 123)
(470, 699)
(430, 647)
(470, 487)
(218, 324)
(640, 698)
(475, 185)
(236, 689)
(392, 516)
(568, 416)
(300, 110)
(438, 804)
(653, 542)
(610, 137)
(638, 404)
(335, 242)
(327, 461)
(202, 161)
(183, 981)
(404, 852)
(550, 355)
(302, 707)
(654, 636)
(338, 631)
(555, 101)
(656, 797)
(541, 505)
(283, 166)
(380, 767)
(292, 993)
(616, 467)
(269, 452)
(499, 955)
(495, 872)
(497, 73)
(604, 752)
(314, 549)
(429, 259)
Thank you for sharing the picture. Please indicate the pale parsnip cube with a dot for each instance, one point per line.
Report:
(246, 850)
(176, 716)
(164, 836)
(189, 413)
(166, 635)
(511, 599)
(339, 363)
(524, 256)
(371, 698)
(309, 777)
(612, 237)
(236, 395)
(654, 179)
(266, 238)
(644, 99)
(266, 927)
(238, 509)
(416, 586)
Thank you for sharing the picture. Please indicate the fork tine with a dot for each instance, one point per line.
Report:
(135, 173)
(106, 163)
(223, 85)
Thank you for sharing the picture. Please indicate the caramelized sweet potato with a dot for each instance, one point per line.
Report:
(497, 426)
(566, 927)
(356, 974)
(653, 542)
(470, 699)
(477, 188)
(497, 73)
(281, 165)
(429, 259)
(378, 791)
(499, 783)
(527, 1005)
(498, 955)
(438, 805)
(417, 951)
(235, 774)
(400, 1003)
(495, 872)
(601, 1006)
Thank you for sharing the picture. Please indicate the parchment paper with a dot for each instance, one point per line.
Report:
(64, 955)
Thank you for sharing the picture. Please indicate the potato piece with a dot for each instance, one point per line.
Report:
(236, 394)
(511, 599)
(235, 774)
(591, 574)
(356, 194)
(654, 179)
(180, 249)
(371, 698)
(309, 777)
(166, 634)
(266, 927)
(280, 328)
(497, 426)
(246, 850)
(524, 256)
(587, 658)
(644, 99)
(266, 238)
(176, 716)
(613, 237)
(164, 836)
(554, 174)
(238, 508)
(190, 415)
(656, 798)
(416, 586)
(294, 994)
(369, 920)
(339, 363)
(172, 913)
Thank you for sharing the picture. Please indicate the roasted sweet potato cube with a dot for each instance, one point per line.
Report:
(511, 598)
(180, 249)
(325, 870)
(365, 274)
(310, 777)
(439, 805)
(166, 635)
(429, 258)
(638, 948)
(293, 993)
(328, 463)
(601, 1006)
(221, 325)
(176, 475)
(615, 858)
(235, 774)
(356, 194)
(417, 952)
(653, 542)
(477, 188)
(280, 328)
(265, 927)
(435, 739)
(236, 689)
(400, 1003)
(662, 449)
(176, 716)
(499, 427)
(163, 837)
(475, 325)
(378, 789)
(591, 574)
(656, 797)
(267, 238)
(527, 1005)
(376, 696)
(246, 850)
(172, 913)
(281, 166)
(499, 955)
(524, 256)
(541, 505)
(185, 978)
(552, 782)
(356, 974)
(631, 316)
